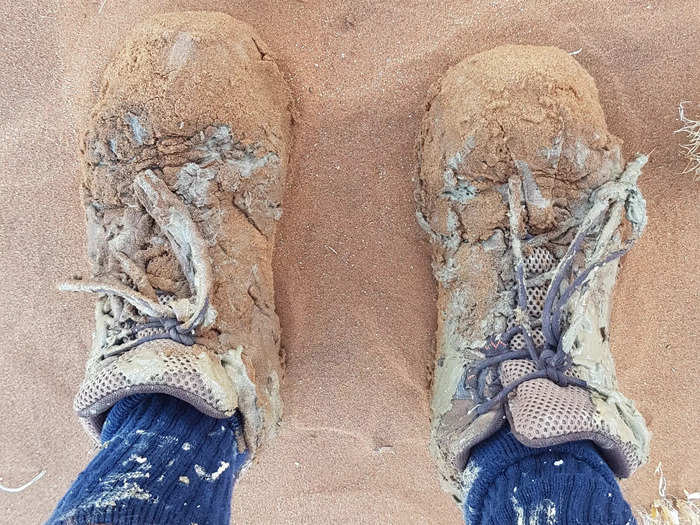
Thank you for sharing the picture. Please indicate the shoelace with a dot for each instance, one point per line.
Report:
(552, 359)
(163, 321)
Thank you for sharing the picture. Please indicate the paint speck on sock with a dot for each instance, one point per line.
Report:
(518, 509)
(138, 459)
(559, 463)
(110, 495)
(546, 509)
(184, 479)
(186, 446)
(469, 476)
(223, 465)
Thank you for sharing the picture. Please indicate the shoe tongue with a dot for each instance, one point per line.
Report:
(539, 260)
(518, 341)
(165, 297)
(542, 414)
(192, 374)
(182, 307)
(540, 409)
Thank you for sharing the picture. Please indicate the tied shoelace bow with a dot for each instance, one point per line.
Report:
(161, 328)
(553, 359)
(177, 320)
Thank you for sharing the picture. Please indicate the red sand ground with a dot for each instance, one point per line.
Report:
(354, 290)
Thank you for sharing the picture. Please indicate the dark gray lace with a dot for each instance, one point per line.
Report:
(552, 359)
(161, 328)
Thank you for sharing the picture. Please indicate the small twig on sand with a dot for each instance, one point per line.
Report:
(331, 249)
(670, 510)
(26, 485)
(692, 148)
(576, 52)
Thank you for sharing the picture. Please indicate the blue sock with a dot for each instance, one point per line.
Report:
(563, 484)
(161, 462)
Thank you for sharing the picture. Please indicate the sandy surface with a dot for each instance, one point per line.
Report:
(354, 290)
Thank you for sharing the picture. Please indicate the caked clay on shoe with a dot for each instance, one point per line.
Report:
(184, 161)
(522, 191)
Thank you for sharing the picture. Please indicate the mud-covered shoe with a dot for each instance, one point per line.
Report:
(523, 192)
(184, 160)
